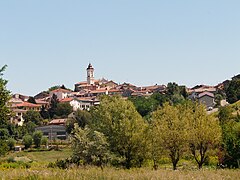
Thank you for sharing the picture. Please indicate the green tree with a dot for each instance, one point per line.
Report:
(33, 116)
(225, 114)
(44, 113)
(144, 105)
(44, 141)
(53, 106)
(170, 124)
(233, 91)
(204, 133)
(122, 125)
(90, 146)
(37, 138)
(63, 110)
(4, 98)
(3, 147)
(4, 134)
(81, 117)
(11, 143)
(27, 141)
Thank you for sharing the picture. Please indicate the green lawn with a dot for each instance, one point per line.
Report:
(42, 157)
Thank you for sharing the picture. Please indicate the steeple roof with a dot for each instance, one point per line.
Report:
(90, 66)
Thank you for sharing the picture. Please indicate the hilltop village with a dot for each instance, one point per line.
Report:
(101, 111)
(86, 93)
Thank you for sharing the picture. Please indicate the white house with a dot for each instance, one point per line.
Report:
(60, 93)
(83, 103)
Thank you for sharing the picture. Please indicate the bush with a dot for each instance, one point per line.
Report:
(44, 141)
(11, 143)
(37, 137)
(3, 147)
(27, 141)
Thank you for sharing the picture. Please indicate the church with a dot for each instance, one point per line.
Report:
(92, 84)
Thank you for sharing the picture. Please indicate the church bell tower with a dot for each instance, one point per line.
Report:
(90, 74)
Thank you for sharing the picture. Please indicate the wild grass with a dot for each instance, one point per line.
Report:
(112, 173)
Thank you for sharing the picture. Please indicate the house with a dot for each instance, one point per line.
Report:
(27, 106)
(206, 98)
(60, 93)
(42, 103)
(58, 122)
(17, 116)
(82, 103)
(53, 131)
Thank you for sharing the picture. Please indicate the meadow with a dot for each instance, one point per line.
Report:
(38, 162)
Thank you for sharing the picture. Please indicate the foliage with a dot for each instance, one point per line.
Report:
(90, 147)
(233, 90)
(81, 117)
(123, 127)
(44, 141)
(32, 100)
(27, 141)
(63, 110)
(44, 113)
(33, 116)
(231, 143)
(3, 147)
(170, 124)
(144, 105)
(4, 97)
(53, 106)
(204, 133)
(37, 137)
(4, 134)
(11, 143)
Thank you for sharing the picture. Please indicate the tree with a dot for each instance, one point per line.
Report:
(233, 91)
(123, 127)
(4, 98)
(81, 117)
(170, 124)
(11, 143)
(44, 113)
(32, 100)
(204, 133)
(4, 134)
(44, 141)
(33, 116)
(3, 147)
(27, 141)
(176, 93)
(144, 105)
(53, 88)
(90, 146)
(53, 106)
(37, 137)
(63, 110)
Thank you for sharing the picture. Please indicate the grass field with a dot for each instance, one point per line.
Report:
(39, 170)
(110, 173)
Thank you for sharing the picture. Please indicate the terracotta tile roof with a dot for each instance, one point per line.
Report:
(27, 104)
(66, 100)
(61, 90)
(38, 101)
(206, 94)
(58, 121)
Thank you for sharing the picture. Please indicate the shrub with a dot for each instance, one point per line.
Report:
(27, 141)
(37, 137)
(11, 143)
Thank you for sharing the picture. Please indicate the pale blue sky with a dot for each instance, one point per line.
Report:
(50, 42)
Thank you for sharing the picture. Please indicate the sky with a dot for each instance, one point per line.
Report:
(144, 42)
